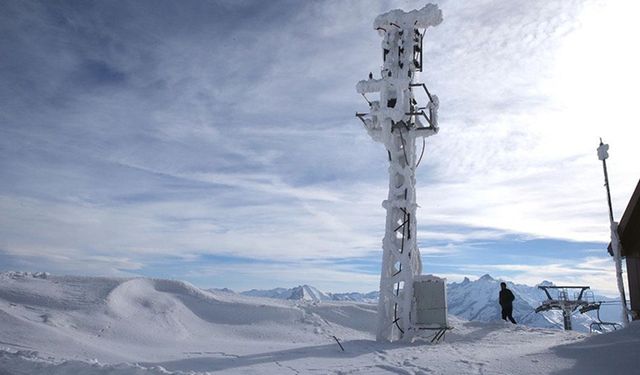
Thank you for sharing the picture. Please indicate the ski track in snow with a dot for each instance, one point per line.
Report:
(80, 325)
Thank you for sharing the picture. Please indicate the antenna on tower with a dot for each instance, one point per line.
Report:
(408, 301)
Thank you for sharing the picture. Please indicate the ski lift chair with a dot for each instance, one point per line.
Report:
(599, 324)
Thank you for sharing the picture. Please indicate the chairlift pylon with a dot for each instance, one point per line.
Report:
(567, 305)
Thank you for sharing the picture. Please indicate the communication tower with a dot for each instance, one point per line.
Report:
(396, 119)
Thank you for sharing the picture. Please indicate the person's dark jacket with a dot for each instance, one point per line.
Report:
(506, 298)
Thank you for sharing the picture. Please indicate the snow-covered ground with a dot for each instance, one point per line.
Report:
(80, 325)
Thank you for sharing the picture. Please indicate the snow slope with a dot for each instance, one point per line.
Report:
(80, 325)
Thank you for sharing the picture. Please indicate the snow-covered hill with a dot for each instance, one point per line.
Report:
(90, 326)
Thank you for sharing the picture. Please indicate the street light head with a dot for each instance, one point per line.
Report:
(602, 151)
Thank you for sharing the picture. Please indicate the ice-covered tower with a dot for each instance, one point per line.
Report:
(396, 119)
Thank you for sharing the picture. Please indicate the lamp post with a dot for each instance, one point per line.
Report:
(616, 247)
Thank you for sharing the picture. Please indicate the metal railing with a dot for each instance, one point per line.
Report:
(413, 114)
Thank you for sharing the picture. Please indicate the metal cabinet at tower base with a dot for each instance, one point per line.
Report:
(430, 302)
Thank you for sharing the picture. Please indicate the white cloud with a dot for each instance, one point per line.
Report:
(529, 165)
(244, 143)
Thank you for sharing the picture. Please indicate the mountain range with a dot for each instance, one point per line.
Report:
(312, 294)
(471, 300)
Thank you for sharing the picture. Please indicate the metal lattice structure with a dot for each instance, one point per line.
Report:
(396, 119)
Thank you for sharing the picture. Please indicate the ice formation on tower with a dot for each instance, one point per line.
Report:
(396, 119)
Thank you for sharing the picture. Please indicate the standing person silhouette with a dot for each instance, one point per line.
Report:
(506, 301)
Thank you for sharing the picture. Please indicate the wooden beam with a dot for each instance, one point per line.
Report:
(629, 227)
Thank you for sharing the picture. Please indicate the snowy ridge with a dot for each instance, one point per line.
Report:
(89, 326)
(134, 320)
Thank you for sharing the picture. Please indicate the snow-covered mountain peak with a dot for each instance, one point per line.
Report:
(485, 277)
(307, 293)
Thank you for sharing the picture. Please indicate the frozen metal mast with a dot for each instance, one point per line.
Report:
(396, 120)
(603, 155)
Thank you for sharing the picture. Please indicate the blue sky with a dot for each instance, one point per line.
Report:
(215, 141)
